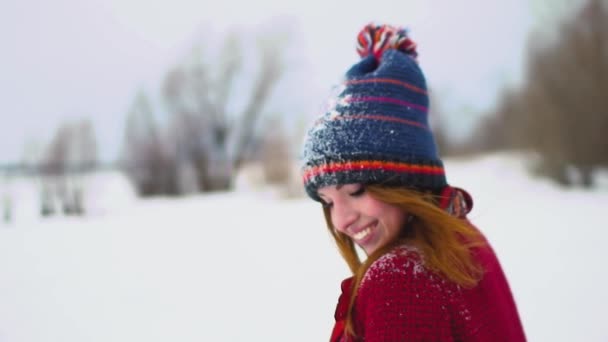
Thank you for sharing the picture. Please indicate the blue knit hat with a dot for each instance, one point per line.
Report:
(375, 130)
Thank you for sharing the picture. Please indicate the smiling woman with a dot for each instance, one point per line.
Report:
(371, 161)
(367, 221)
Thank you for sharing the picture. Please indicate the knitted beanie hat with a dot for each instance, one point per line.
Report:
(375, 129)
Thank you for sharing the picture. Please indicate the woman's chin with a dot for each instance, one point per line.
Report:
(369, 249)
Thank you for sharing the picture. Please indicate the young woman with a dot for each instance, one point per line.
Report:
(371, 160)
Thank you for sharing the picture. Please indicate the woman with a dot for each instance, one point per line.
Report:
(371, 160)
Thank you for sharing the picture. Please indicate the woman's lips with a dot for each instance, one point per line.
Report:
(363, 235)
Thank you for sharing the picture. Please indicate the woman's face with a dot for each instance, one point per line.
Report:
(370, 223)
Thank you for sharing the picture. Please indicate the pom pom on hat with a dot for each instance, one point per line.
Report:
(375, 39)
(375, 130)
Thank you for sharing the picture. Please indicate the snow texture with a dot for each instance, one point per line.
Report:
(247, 266)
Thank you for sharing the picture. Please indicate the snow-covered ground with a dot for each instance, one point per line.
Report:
(248, 266)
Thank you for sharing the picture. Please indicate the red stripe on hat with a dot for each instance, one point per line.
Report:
(385, 100)
(377, 117)
(388, 80)
(372, 165)
(380, 118)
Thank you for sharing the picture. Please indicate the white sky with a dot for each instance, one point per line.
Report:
(87, 58)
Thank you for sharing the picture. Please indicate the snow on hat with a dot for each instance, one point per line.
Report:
(375, 130)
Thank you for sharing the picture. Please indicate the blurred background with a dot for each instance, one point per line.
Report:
(149, 184)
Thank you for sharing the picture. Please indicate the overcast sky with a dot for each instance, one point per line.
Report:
(67, 59)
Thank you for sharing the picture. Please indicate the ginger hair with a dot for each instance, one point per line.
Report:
(446, 242)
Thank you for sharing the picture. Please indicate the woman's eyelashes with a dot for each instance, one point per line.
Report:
(358, 192)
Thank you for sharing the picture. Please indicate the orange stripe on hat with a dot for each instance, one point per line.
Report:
(372, 165)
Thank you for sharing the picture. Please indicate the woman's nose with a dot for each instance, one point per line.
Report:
(343, 216)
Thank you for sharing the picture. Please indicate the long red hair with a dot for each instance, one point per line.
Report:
(445, 241)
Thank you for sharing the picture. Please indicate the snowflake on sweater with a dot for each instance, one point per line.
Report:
(400, 260)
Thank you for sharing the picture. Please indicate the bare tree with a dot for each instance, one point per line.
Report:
(561, 111)
(501, 129)
(275, 154)
(56, 157)
(209, 131)
(83, 154)
(146, 158)
(71, 153)
(566, 96)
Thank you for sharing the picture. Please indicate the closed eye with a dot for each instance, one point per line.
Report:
(358, 192)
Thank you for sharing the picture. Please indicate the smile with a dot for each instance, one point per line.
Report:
(362, 234)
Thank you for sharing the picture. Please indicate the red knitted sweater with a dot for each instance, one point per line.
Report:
(401, 300)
